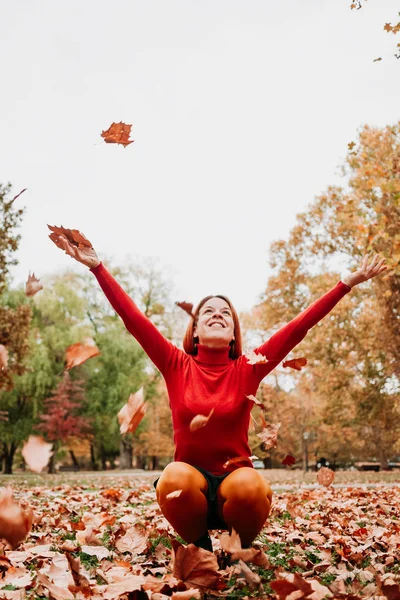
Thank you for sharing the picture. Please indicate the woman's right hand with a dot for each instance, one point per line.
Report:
(85, 255)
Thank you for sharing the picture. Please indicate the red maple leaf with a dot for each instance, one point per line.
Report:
(289, 460)
(80, 352)
(118, 133)
(295, 363)
(74, 236)
(33, 285)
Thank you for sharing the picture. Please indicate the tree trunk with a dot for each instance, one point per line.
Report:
(154, 463)
(93, 461)
(141, 462)
(125, 454)
(74, 459)
(9, 457)
(52, 463)
(103, 459)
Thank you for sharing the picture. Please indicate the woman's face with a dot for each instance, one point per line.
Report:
(215, 326)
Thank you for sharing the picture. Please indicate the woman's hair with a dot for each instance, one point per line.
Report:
(190, 342)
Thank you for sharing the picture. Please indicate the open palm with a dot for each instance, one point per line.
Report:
(85, 255)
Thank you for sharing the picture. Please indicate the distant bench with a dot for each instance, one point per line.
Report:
(68, 468)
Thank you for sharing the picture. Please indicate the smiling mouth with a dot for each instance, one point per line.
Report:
(221, 325)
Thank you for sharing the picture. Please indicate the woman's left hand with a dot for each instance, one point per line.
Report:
(367, 270)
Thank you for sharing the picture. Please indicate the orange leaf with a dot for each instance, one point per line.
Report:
(80, 352)
(187, 307)
(289, 460)
(118, 133)
(200, 421)
(295, 363)
(325, 476)
(351, 145)
(15, 523)
(74, 236)
(132, 412)
(253, 358)
(36, 453)
(3, 357)
(269, 435)
(33, 285)
(174, 494)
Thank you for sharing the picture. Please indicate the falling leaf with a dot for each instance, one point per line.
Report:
(18, 195)
(33, 285)
(269, 435)
(377, 59)
(388, 27)
(36, 453)
(289, 460)
(295, 363)
(325, 476)
(253, 358)
(15, 522)
(351, 145)
(75, 237)
(132, 412)
(187, 307)
(80, 352)
(3, 357)
(200, 421)
(256, 401)
(118, 133)
(194, 566)
(174, 494)
(235, 460)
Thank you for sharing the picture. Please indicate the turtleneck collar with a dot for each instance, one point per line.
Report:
(213, 356)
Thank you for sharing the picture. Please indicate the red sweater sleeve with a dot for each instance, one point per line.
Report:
(156, 346)
(284, 340)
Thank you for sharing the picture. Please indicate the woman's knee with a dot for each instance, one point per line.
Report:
(247, 485)
(181, 476)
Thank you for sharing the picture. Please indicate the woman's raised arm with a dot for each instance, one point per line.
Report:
(156, 346)
(283, 341)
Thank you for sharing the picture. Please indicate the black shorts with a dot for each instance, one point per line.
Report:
(214, 481)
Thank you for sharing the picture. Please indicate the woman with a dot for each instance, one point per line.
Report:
(212, 377)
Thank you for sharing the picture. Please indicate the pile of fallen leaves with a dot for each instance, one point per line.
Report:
(113, 542)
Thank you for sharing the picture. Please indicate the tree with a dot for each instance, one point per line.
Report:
(354, 353)
(61, 421)
(11, 218)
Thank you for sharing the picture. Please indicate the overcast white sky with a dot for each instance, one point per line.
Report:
(241, 109)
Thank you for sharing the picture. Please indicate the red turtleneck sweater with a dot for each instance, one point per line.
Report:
(196, 384)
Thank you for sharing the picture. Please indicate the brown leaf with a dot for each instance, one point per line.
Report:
(132, 412)
(256, 401)
(3, 357)
(200, 421)
(15, 522)
(325, 476)
(269, 435)
(79, 353)
(118, 133)
(74, 236)
(33, 285)
(254, 359)
(134, 541)
(191, 594)
(36, 452)
(3, 415)
(194, 566)
(187, 307)
(232, 544)
(295, 363)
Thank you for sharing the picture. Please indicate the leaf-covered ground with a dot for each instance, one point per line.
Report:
(105, 537)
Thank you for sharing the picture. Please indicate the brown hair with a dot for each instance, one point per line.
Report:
(189, 342)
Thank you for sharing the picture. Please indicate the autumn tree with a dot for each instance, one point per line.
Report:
(353, 355)
(61, 421)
